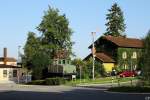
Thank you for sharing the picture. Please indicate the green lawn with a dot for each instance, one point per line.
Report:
(100, 80)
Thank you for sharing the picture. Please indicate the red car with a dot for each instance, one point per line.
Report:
(127, 74)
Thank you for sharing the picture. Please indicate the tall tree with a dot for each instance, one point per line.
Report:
(146, 58)
(115, 21)
(56, 34)
(35, 58)
(30, 48)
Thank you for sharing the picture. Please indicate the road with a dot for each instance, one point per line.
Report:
(24, 92)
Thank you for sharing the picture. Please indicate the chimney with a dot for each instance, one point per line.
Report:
(5, 55)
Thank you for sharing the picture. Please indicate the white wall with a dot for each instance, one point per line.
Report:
(10, 74)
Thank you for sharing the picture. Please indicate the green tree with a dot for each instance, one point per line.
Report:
(30, 49)
(35, 58)
(115, 21)
(56, 34)
(80, 65)
(146, 59)
(40, 62)
(99, 68)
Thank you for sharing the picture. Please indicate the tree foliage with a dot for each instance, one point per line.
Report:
(146, 58)
(115, 21)
(99, 68)
(86, 68)
(56, 35)
(30, 48)
(80, 65)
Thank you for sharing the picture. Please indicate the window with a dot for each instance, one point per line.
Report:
(134, 55)
(59, 62)
(124, 55)
(134, 67)
(55, 62)
(4, 73)
(14, 73)
(125, 66)
(68, 61)
(64, 61)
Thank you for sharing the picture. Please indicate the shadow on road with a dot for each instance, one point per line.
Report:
(75, 94)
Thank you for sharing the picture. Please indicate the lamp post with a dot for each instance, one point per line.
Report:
(93, 54)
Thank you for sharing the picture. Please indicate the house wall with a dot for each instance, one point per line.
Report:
(107, 47)
(108, 66)
(129, 62)
(9, 76)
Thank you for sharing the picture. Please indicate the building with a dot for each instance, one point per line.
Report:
(62, 65)
(119, 52)
(9, 71)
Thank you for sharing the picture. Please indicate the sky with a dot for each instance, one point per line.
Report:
(18, 17)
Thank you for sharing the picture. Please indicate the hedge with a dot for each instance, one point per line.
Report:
(54, 81)
(48, 81)
(36, 82)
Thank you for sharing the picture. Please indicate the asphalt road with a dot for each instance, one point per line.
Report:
(23, 92)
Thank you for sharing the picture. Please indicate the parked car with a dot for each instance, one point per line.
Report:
(128, 74)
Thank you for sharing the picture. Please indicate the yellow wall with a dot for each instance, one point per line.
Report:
(9, 63)
(108, 66)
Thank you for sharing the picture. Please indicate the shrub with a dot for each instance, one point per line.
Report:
(36, 82)
(54, 81)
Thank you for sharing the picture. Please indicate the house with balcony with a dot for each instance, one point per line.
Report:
(61, 65)
(119, 52)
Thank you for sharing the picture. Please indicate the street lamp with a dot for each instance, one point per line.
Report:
(93, 53)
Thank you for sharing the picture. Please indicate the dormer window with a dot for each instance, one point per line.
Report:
(124, 55)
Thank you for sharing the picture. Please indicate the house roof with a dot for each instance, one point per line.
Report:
(123, 41)
(8, 59)
(61, 54)
(103, 57)
(8, 66)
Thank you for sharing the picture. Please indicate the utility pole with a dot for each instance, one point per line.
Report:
(93, 54)
(19, 61)
(80, 73)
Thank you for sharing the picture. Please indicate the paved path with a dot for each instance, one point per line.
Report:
(24, 92)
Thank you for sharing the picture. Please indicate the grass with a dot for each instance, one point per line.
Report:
(100, 80)
(129, 89)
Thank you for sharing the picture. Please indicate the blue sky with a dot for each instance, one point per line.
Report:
(17, 17)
